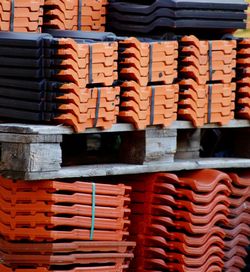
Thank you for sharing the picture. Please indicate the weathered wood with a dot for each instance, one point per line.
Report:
(29, 138)
(44, 152)
(34, 129)
(52, 129)
(38, 153)
(152, 144)
(187, 155)
(125, 169)
(34, 157)
(160, 145)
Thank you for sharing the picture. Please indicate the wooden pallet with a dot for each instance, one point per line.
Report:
(33, 152)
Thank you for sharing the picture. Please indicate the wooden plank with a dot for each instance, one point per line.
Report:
(124, 169)
(29, 138)
(27, 152)
(187, 155)
(232, 124)
(52, 129)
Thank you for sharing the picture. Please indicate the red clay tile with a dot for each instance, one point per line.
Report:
(64, 15)
(111, 268)
(136, 105)
(135, 61)
(235, 251)
(68, 259)
(27, 15)
(54, 186)
(244, 207)
(195, 74)
(190, 50)
(214, 263)
(236, 261)
(160, 201)
(82, 246)
(29, 220)
(218, 45)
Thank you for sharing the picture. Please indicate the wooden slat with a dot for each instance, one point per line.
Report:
(124, 169)
(50, 129)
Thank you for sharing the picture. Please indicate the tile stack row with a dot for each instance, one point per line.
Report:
(175, 220)
(238, 228)
(67, 80)
(71, 78)
(206, 73)
(243, 79)
(105, 5)
(248, 15)
(161, 16)
(92, 71)
(245, 32)
(69, 226)
(189, 223)
(21, 15)
(147, 71)
(69, 15)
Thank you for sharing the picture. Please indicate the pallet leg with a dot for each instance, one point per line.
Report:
(29, 154)
(148, 146)
(160, 145)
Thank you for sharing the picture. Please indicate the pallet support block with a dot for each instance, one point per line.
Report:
(160, 145)
(148, 146)
(188, 144)
(30, 153)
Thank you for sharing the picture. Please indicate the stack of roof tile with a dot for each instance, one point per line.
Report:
(238, 229)
(67, 80)
(245, 32)
(105, 5)
(21, 15)
(148, 70)
(206, 70)
(161, 15)
(176, 221)
(111, 268)
(243, 79)
(87, 15)
(69, 226)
